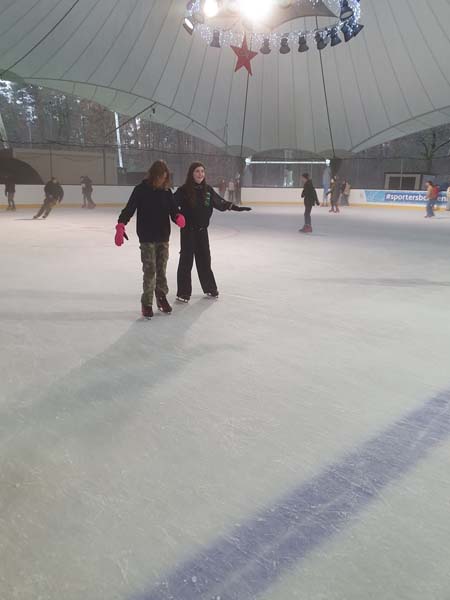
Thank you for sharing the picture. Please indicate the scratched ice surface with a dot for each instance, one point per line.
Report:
(290, 440)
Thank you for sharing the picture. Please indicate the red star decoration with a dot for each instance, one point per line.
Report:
(244, 56)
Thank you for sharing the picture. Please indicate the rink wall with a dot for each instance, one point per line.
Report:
(271, 196)
(104, 195)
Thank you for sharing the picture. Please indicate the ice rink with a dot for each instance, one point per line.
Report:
(288, 441)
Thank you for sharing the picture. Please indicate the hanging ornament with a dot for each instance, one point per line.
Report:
(245, 55)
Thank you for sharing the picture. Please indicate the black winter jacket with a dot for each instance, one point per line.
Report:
(10, 187)
(199, 213)
(309, 193)
(153, 207)
(54, 190)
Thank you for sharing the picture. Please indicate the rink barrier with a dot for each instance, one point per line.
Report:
(250, 558)
(114, 196)
(359, 198)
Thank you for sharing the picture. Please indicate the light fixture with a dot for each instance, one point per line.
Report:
(284, 47)
(250, 20)
(302, 44)
(346, 11)
(347, 31)
(255, 10)
(188, 25)
(199, 17)
(215, 43)
(250, 161)
(265, 48)
(322, 39)
(357, 27)
(211, 8)
(232, 6)
(335, 39)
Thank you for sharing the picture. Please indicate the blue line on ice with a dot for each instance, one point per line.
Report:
(254, 555)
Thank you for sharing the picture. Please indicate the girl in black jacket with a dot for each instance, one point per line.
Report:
(196, 201)
(154, 203)
(309, 196)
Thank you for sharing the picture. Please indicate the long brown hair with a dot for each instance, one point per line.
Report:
(158, 169)
(190, 185)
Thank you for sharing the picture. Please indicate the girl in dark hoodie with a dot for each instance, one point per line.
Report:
(196, 201)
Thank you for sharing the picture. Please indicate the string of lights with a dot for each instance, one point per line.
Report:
(225, 23)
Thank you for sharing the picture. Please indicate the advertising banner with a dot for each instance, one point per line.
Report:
(401, 197)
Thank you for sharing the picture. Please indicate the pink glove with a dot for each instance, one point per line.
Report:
(120, 234)
(180, 221)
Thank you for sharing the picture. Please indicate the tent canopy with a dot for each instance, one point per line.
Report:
(132, 56)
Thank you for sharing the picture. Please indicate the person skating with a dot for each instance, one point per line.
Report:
(10, 190)
(345, 193)
(310, 199)
(334, 193)
(196, 201)
(154, 203)
(231, 189)
(86, 191)
(53, 195)
(432, 196)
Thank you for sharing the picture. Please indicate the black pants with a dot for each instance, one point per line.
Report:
(11, 205)
(308, 209)
(87, 200)
(47, 206)
(195, 244)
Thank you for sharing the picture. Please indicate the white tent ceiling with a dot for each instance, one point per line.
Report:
(392, 80)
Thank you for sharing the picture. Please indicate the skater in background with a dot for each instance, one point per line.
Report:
(345, 193)
(448, 198)
(326, 180)
(154, 203)
(196, 201)
(334, 194)
(10, 191)
(222, 186)
(432, 194)
(54, 194)
(237, 189)
(231, 188)
(310, 199)
(86, 190)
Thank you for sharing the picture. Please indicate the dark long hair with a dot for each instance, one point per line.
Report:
(190, 186)
(158, 169)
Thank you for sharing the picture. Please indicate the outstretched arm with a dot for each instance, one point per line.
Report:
(221, 204)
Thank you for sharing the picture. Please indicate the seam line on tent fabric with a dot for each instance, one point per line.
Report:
(41, 40)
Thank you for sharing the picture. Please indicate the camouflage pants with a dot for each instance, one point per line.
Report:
(154, 258)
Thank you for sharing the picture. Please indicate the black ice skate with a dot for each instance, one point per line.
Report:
(163, 305)
(213, 294)
(183, 299)
(147, 312)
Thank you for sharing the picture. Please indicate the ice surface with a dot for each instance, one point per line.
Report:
(129, 448)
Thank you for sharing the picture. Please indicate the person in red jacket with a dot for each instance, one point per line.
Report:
(154, 203)
(432, 196)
